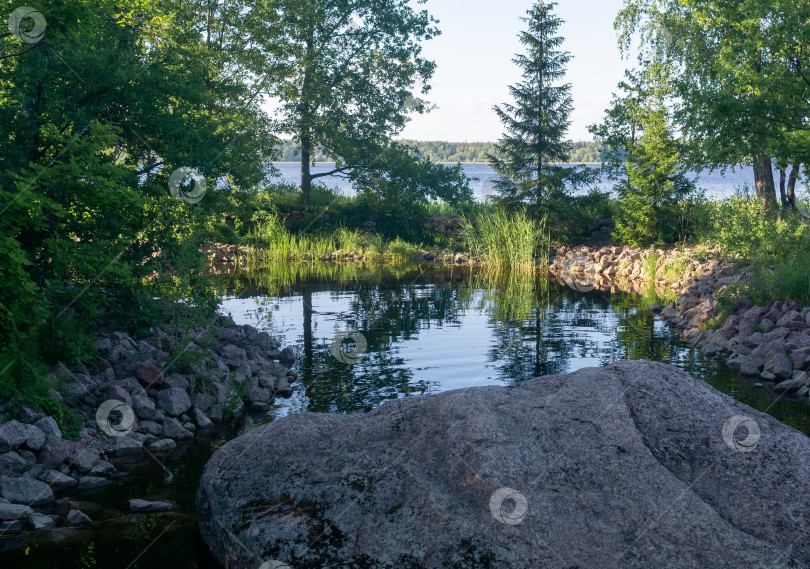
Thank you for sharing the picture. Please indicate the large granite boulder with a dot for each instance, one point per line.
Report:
(634, 465)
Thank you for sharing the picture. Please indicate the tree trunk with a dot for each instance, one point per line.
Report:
(791, 185)
(782, 195)
(306, 160)
(763, 178)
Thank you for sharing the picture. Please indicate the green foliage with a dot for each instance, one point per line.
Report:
(506, 240)
(534, 143)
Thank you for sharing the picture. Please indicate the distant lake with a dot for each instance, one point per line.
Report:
(716, 184)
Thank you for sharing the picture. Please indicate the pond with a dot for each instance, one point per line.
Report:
(365, 334)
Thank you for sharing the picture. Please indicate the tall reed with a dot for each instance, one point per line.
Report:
(508, 241)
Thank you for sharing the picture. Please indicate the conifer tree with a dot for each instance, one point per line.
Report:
(528, 155)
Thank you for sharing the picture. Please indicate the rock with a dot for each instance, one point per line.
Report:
(779, 364)
(752, 364)
(57, 452)
(283, 388)
(144, 507)
(128, 447)
(287, 356)
(12, 464)
(232, 352)
(13, 435)
(174, 401)
(40, 522)
(92, 483)
(12, 512)
(49, 426)
(163, 446)
(202, 402)
(35, 438)
(643, 474)
(58, 481)
(77, 519)
(256, 394)
(84, 460)
(150, 427)
(178, 382)
(144, 407)
(148, 374)
(13, 526)
(103, 468)
(789, 385)
(26, 491)
(174, 430)
(202, 420)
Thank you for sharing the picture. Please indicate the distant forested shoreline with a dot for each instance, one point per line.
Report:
(583, 152)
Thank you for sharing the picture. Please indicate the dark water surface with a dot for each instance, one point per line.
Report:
(424, 331)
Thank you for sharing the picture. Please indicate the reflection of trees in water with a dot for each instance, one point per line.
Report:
(538, 327)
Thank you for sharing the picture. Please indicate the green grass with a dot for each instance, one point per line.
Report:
(508, 241)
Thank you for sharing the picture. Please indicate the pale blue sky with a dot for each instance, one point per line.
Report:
(474, 58)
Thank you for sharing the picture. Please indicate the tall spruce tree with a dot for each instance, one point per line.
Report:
(528, 155)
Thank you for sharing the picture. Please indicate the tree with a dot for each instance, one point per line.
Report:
(741, 75)
(347, 71)
(527, 156)
(645, 158)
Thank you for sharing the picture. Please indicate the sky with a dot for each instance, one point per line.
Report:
(474, 65)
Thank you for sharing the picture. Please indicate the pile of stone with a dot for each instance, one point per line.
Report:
(629, 269)
(139, 404)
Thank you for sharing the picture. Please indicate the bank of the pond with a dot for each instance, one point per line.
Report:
(145, 401)
(771, 343)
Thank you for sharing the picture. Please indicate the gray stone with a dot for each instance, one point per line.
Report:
(77, 519)
(12, 464)
(57, 452)
(14, 525)
(284, 389)
(118, 393)
(92, 483)
(58, 481)
(779, 364)
(12, 436)
(174, 430)
(287, 356)
(143, 406)
(128, 446)
(641, 476)
(40, 522)
(84, 460)
(174, 401)
(144, 507)
(202, 420)
(256, 394)
(202, 402)
(231, 352)
(103, 468)
(150, 427)
(11, 512)
(49, 426)
(163, 446)
(35, 438)
(178, 382)
(26, 491)
(789, 385)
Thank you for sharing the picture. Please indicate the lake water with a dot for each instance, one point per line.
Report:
(716, 184)
(420, 331)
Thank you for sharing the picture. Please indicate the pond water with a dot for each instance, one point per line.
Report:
(365, 334)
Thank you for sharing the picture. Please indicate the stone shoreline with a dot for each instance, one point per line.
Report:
(148, 399)
(768, 343)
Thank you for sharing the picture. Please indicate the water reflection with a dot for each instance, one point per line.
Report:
(430, 329)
